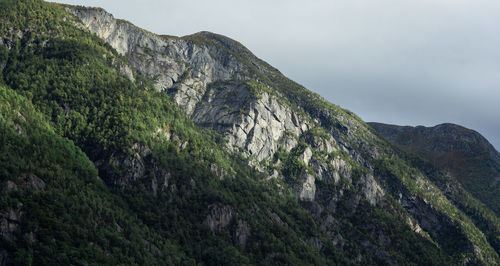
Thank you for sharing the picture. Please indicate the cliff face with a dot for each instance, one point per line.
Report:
(328, 156)
(217, 82)
(221, 160)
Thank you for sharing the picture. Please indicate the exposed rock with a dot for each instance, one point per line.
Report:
(255, 124)
(308, 190)
(327, 172)
(19, 130)
(31, 181)
(20, 115)
(327, 145)
(263, 121)
(288, 142)
(414, 226)
(127, 71)
(178, 65)
(276, 218)
(119, 229)
(163, 134)
(341, 169)
(218, 171)
(275, 174)
(338, 240)
(320, 168)
(243, 231)
(135, 168)
(306, 155)
(25, 181)
(160, 180)
(11, 186)
(9, 221)
(437, 224)
(352, 202)
(371, 189)
(219, 217)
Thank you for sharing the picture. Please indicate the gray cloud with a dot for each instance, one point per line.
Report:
(405, 62)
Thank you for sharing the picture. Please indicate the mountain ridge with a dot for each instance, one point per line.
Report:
(462, 151)
(211, 148)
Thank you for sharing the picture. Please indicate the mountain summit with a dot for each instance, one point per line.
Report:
(120, 146)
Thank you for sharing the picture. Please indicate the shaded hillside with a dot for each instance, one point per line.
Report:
(466, 154)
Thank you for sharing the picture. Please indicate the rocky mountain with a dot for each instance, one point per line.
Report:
(154, 149)
(463, 152)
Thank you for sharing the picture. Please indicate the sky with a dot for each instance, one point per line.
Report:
(412, 62)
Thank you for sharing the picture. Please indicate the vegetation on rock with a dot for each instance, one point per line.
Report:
(99, 166)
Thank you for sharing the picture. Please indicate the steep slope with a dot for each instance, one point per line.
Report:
(278, 175)
(327, 155)
(54, 208)
(166, 202)
(455, 139)
(466, 154)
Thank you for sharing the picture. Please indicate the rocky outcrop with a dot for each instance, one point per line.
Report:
(242, 233)
(133, 166)
(308, 188)
(185, 69)
(10, 218)
(25, 182)
(254, 124)
(9, 221)
(177, 65)
(372, 191)
(219, 217)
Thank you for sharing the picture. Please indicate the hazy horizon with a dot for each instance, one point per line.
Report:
(405, 63)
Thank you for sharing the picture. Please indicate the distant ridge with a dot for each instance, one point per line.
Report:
(464, 152)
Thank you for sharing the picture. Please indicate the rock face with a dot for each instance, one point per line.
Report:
(10, 218)
(242, 233)
(252, 123)
(184, 70)
(329, 156)
(308, 190)
(9, 221)
(176, 64)
(219, 217)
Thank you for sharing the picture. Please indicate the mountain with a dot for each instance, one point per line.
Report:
(120, 146)
(463, 152)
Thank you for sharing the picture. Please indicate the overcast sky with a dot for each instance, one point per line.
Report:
(413, 62)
